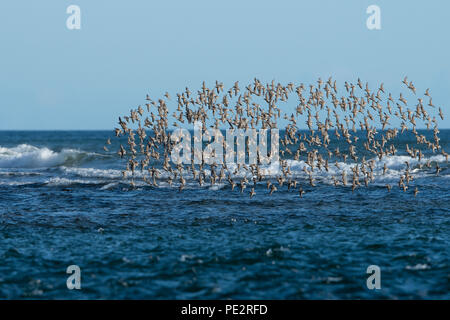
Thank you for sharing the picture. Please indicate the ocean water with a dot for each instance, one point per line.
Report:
(63, 202)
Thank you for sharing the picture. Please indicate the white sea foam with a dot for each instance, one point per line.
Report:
(93, 172)
(395, 164)
(109, 186)
(15, 183)
(217, 187)
(17, 161)
(66, 182)
(27, 156)
(18, 174)
(418, 267)
(108, 173)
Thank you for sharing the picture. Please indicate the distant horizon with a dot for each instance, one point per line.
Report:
(281, 129)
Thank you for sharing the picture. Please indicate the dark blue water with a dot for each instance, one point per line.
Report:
(63, 202)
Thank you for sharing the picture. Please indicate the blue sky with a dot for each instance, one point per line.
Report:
(55, 78)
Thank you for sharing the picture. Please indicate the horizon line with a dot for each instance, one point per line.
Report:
(174, 128)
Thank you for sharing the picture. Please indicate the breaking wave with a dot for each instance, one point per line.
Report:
(27, 156)
(26, 164)
(396, 167)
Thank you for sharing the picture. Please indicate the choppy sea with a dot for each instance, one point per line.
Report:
(63, 202)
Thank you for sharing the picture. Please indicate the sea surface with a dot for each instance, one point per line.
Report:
(63, 202)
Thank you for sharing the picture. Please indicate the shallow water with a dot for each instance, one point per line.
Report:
(63, 202)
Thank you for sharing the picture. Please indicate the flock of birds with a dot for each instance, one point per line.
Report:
(258, 106)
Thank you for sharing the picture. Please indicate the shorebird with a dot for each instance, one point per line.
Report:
(272, 189)
(441, 114)
(438, 169)
(332, 118)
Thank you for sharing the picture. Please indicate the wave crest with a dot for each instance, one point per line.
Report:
(27, 156)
